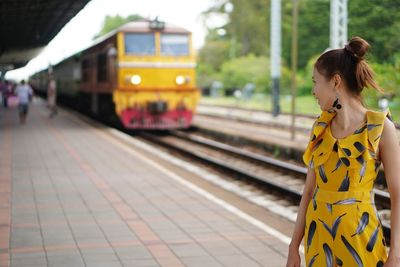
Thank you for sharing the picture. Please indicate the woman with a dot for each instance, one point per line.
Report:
(337, 216)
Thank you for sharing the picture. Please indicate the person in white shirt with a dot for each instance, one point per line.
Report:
(24, 93)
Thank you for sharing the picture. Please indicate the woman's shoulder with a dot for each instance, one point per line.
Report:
(377, 122)
(388, 124)
(378, 117)
(389, 138)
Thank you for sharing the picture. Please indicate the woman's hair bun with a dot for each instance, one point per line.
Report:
(357, 46)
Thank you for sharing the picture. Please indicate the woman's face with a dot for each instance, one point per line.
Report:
(323, 90)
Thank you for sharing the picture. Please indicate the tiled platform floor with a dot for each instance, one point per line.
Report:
(69, 197)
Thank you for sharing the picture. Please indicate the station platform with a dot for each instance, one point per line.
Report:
(72, 195)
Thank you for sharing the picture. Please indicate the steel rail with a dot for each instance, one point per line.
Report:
(381, 197)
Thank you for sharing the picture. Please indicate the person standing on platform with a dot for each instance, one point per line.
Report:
(24, 93)
(52, 96)
(337, 215)
(6, 91)
(2, 92)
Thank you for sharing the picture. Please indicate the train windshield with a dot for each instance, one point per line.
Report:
(174, 44)
(140, 44)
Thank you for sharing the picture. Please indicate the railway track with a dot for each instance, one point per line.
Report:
(282, 179)
(299, 129)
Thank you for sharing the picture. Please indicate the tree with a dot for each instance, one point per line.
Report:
(112, 22)
(247, 25)
(247, 32)
(214, 52)
(313, 30)
(379, 23)
(237, 72)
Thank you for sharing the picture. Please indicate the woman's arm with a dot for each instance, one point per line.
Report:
(298, 232)
(390, 156)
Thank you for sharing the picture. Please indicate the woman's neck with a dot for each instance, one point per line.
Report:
(352, 114)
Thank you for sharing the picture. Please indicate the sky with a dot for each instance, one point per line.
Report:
(79, 32)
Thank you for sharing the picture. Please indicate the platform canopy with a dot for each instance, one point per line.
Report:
(27, 26)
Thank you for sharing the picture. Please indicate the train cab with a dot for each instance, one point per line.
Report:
(155, 76)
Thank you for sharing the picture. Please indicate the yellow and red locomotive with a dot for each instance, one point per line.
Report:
(144, 72)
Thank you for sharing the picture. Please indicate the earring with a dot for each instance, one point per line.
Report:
(336, 103)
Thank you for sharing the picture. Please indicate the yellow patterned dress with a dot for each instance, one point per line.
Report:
(342, 225)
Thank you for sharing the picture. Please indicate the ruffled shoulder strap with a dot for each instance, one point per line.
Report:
(376, 121)
(317, 130)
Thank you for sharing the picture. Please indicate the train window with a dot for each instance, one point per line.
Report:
(174, 44)
(102, 67)
(139, 44)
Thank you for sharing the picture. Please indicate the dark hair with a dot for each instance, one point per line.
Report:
(350, 64)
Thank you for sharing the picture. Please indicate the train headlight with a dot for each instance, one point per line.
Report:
(180, 80)
(136, 79)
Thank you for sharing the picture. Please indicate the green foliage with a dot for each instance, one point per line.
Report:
(305, 84)
(206, 75)
(210, 59)
(286, 81)
(313, 29)
(249, 69)
(214, 53)
(379, 23)
(112, 22)
(247, 32)
(387, 75)
(247, 26)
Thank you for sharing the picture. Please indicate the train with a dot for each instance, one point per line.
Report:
(143, 73)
